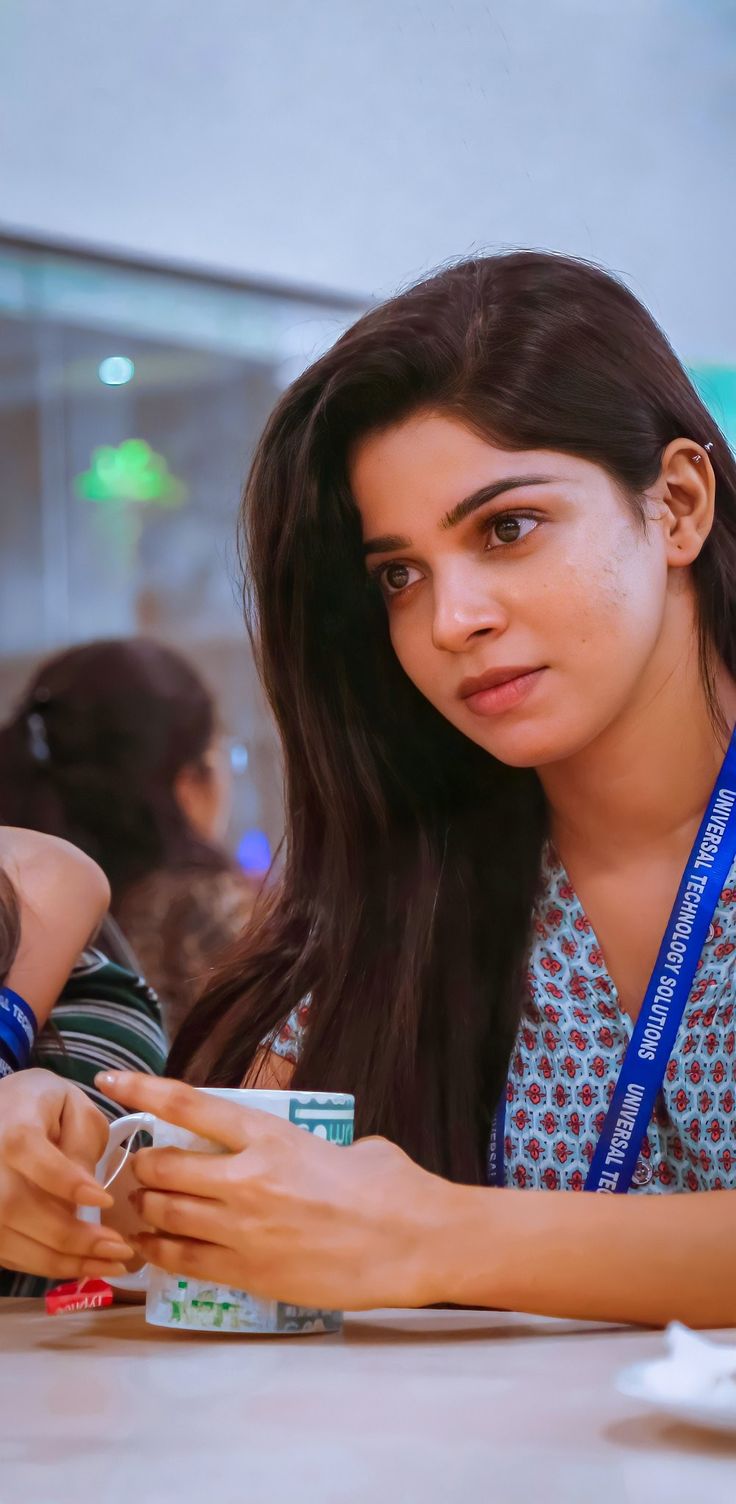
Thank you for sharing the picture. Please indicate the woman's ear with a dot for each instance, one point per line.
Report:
(685, 496)
(188, 790)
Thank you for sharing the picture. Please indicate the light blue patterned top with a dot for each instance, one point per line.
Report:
(570, 1044)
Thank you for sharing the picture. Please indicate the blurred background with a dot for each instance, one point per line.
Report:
(196, 199)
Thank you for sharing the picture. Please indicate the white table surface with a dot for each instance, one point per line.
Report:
(406, 1407)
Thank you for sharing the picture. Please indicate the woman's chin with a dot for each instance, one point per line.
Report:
(530, 746)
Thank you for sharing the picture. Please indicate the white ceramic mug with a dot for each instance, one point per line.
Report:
(190, 1304)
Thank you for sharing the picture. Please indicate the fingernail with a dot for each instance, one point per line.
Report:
(112, 1248)
(93, 1195)
(106, 1078)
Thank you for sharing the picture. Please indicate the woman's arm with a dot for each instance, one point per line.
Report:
(646, 1259)
(290, 1217)
(62, 895)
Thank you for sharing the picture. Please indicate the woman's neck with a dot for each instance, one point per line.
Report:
(643, 784)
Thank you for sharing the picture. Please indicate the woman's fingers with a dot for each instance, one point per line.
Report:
(27, 1151)
(226, 1123)
(52, 1135)
(183, 1216)
(303, 1285)
(188, 1256)
(83, 1131)
(181, 1170)
(18, 1251)
(29, 1212)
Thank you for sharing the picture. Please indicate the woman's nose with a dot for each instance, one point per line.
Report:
(465, 608)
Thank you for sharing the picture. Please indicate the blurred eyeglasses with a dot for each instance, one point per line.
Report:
(236, 754)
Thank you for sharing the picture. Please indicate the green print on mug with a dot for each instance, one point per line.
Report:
(213, 1308)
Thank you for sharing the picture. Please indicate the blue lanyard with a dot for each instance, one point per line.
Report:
(18, 1030)
(665, 1000)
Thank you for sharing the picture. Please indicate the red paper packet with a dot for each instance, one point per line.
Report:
(78, 1295)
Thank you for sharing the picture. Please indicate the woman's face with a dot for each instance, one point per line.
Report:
(528, 572)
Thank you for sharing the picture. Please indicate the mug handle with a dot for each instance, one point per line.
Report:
(120, 1130)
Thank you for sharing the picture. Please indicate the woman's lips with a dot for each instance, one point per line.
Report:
(505, 696)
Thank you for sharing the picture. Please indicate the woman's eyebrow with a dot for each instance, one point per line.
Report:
(389, 542)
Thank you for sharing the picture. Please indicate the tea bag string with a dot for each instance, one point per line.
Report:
(124, 1160)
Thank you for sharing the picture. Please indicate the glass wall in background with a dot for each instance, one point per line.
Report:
(130, 400)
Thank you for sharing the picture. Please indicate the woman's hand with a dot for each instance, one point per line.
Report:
(284, 1215)
(51, 1137)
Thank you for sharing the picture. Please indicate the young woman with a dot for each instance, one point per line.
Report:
(492, 551)
(66, 1011)
(115, 747)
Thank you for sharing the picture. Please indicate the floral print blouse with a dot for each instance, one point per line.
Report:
(570, 1045)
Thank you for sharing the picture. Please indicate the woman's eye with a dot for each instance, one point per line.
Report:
(510, 528)
(393, 578)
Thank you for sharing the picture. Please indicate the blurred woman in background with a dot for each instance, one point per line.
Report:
(115, 747)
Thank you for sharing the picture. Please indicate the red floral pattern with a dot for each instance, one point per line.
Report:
(572, 1039)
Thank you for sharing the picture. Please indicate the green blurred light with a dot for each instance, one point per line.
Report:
(717, 387)
(133, 472)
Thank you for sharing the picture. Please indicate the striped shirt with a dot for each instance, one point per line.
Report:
(107, 1018)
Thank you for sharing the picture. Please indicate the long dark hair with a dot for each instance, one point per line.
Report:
(93, 750)
(411, 854)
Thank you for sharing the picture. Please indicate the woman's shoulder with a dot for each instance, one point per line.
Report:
(32, 856)
(219, 890)
(227, 888)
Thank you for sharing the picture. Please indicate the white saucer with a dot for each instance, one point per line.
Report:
(662, 1386)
